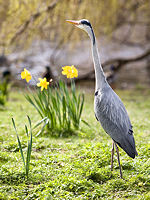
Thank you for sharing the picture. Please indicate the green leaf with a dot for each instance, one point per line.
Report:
(42, 127)
(40, 122)
(26, 129)
(81, 107)
(29, 121)
(86, 123)
(19, 143)
(29, 149)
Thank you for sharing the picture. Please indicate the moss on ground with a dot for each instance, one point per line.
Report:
(76, 167)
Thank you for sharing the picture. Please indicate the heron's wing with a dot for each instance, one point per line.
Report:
(108, 106)
(113, 117)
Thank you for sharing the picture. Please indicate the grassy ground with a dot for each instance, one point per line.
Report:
(77, 167)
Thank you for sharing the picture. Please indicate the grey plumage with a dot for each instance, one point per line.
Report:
(109, 109)
(111, 113)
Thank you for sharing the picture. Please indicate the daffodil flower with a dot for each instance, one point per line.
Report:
(70, 71)
(43, 83)
(26, 75)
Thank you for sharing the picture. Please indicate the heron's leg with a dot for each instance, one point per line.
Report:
(112, 156)
(117, 150)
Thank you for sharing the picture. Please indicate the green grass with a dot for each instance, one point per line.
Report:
(75, 167)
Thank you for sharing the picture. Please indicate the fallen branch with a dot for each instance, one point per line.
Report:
(121, 61)
(117, 62)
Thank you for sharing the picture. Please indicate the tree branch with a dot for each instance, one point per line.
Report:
(118, 62)
(122, 61)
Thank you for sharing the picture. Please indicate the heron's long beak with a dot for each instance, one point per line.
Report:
(73, 22)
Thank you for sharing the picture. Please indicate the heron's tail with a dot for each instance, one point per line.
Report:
(128, 145)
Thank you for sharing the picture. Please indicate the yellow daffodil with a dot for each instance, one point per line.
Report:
(43, 83)
(70, 71)
(26, 75)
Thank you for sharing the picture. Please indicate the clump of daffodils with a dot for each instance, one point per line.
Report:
(59, 107)
(70, 71)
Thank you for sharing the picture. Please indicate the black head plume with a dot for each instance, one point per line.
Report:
(86, 22)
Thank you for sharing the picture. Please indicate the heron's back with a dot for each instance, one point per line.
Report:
(112, 115)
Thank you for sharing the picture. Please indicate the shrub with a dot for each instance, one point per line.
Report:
(4, 88)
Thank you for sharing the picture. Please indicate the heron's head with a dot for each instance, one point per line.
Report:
(82, 24)
(85, 25)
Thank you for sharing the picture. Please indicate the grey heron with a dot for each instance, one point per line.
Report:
(108, 107)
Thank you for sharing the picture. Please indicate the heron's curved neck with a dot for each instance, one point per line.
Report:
(99, 74)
